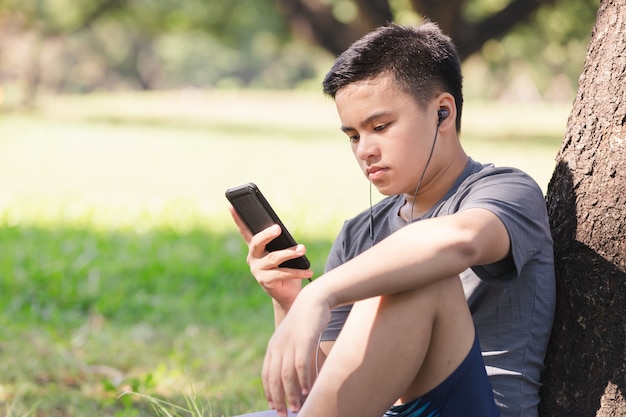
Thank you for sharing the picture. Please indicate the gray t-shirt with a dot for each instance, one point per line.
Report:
(511, 301)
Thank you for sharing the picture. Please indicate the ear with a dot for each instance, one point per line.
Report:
(446, 111)
(442, 114)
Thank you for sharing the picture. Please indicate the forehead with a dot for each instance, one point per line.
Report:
(369, 86)
(380, 91)
(373, 95)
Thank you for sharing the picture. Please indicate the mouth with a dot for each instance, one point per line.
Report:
(375, 172)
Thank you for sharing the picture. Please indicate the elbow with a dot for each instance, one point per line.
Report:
(481, 243)
(468, 248)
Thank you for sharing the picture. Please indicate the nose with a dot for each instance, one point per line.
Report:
(367, 148)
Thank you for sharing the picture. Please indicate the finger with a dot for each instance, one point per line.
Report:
(300, 250)
(265, 377)
(270, 277)
(303, 366)
(290, 386)
(259, 241)
(290, 382)
(272, 382)
(279, 256)
(258, 250)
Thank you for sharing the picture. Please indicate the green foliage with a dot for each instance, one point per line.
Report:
(550, 50)
(88, 45)
(151, 44)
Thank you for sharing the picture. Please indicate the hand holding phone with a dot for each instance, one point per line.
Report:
(257, 214)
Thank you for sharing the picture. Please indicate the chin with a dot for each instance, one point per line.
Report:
(387, 189)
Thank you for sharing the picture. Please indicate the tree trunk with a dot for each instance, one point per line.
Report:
(585, 371)
(314, 20)
(32, 76)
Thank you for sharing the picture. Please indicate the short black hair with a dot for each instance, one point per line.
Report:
(422, 60)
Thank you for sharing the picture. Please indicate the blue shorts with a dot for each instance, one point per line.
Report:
(466, 392)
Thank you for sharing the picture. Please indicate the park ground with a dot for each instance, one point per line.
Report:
(123, 284)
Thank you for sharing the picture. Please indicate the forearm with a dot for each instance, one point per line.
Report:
(394, 265)
(417, 255)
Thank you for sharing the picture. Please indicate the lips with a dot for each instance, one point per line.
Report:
(375, 172)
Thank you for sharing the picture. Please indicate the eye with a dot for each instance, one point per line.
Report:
(352, 134)
(380, 127)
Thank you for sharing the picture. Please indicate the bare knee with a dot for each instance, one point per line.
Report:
(451, 337)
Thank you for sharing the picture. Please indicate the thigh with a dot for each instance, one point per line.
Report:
(401, 344)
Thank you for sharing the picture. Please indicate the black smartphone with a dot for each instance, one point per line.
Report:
(257, 214)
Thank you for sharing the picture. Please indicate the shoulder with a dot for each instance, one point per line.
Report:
(509, 192)
(500, 176)
(516, 199)
(499, 186)
(493, 188)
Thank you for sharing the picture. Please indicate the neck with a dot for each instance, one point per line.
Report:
(431, 191)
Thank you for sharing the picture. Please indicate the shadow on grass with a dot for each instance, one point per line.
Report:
(86, 315)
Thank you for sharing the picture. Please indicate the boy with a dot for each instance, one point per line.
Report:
(458, 253)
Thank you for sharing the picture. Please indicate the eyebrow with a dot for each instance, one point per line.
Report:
(366, 121)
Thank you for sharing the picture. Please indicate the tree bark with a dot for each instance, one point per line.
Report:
(585, 371)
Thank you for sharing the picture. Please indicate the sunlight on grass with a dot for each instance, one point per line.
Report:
(48, 212)
(130, 158)
(194, 406)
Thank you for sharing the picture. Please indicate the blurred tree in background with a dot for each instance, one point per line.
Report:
(89, 45)
(335, 24)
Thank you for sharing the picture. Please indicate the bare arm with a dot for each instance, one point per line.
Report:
(413, 257)
(417, 255)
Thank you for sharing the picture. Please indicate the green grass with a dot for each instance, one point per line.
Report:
(120, 270)
(89, 313)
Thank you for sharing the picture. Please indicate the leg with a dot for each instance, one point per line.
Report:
(393, 348)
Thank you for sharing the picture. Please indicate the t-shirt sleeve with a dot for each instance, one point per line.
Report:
(339, 315)
(518, 202)
(335, 255)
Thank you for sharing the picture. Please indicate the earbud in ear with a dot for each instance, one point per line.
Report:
(442, 114)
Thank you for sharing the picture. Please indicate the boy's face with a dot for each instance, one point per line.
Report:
(390, 133)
